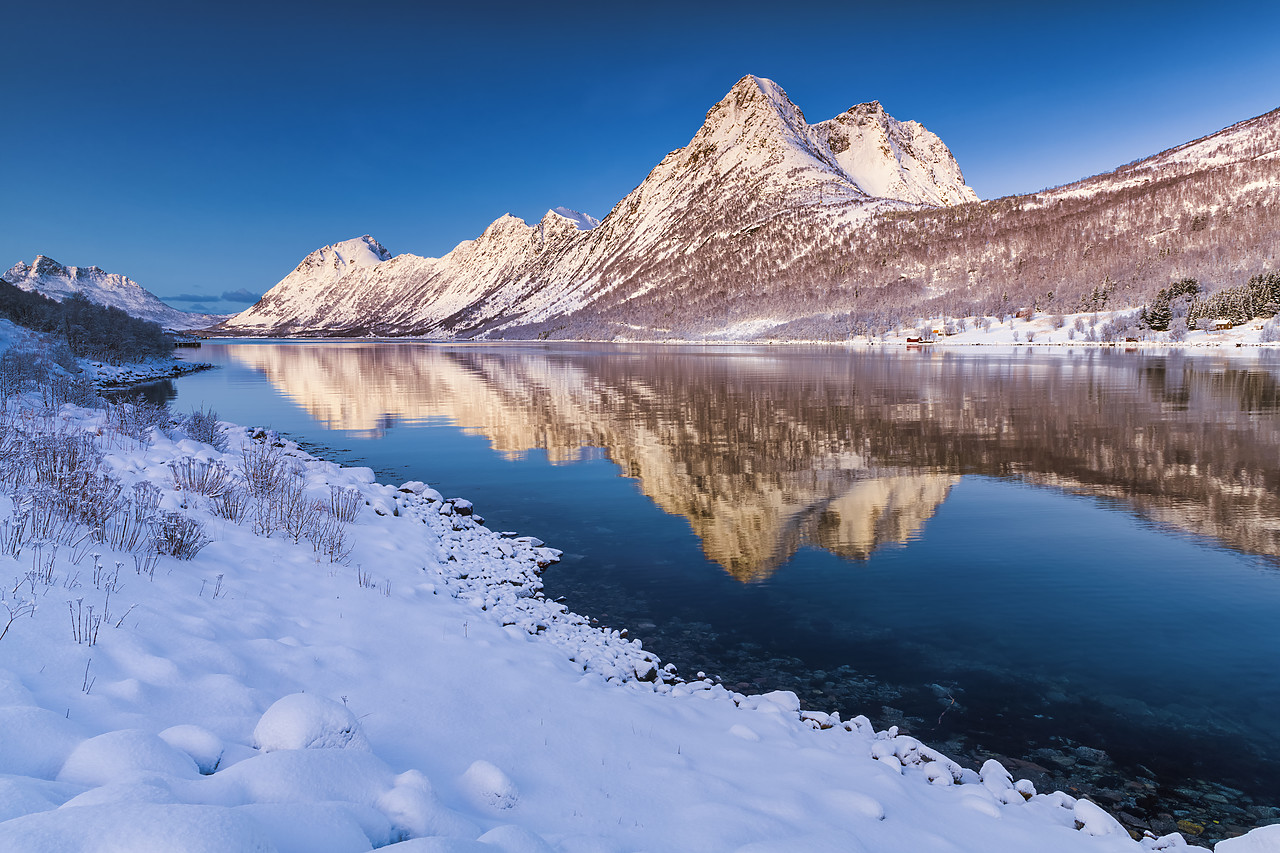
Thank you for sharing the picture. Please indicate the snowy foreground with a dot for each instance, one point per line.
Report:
(374, 668)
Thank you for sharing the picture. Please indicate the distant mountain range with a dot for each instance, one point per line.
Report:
(47, 276)
(766, 225)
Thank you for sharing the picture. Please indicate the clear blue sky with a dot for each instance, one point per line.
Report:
(206, 148)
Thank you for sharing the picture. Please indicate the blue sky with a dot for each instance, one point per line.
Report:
(204, 149)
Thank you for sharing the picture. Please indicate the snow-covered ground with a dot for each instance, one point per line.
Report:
(354, 665)
(1076, 330)
(1040, 329)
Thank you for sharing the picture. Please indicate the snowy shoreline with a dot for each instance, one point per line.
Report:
(122, 377)
(1038, 330)
(445, 699)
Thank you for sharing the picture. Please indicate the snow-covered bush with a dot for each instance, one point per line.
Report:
(136, 419)
(202, 425)
(204, 477)
(19, 370)
(233, 504)
(1118, 327)
(204, 747)
(175, 535)
(56, 391)
(345, 504)
(298, 512)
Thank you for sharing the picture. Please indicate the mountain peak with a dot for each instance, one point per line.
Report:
(356, 252)
(752, 95)
(44, 265)
(362, 251)
(583, 221)
(888, 158)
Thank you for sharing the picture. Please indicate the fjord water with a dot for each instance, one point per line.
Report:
(1069, 559)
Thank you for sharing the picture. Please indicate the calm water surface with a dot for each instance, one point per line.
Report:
(1065, 559)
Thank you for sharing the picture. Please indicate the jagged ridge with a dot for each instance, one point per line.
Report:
(46, 276)
(754, 156)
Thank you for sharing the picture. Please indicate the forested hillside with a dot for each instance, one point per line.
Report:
(88, 330)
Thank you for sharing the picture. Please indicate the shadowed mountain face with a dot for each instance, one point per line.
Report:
(764, 451)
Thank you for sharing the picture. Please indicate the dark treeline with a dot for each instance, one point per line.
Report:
(88, 330)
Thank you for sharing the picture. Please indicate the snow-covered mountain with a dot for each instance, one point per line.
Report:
(50, 278)
(754, 159)
(765, 224)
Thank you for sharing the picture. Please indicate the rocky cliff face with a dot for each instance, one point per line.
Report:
(47, 276)
(754, 159)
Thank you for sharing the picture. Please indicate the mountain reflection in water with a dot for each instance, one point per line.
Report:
(763, 453)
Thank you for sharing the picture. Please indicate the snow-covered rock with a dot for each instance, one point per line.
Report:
(125, 755)
(308, 721)
(487, 784)
(1264, 839)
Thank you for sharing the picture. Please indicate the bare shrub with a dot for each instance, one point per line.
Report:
(58, 390)
(345, 504)
(204, 477)
(297, 512)
(136, 419)
(98, 501)
(68, 475)
(264, 472)
(202, 425)
(330, 538)
(14, 534)
(262, 468)
(123, 531)
(13, 464)
(60, 459)
(328, 534)
(20, 370)
(129, 529)
(14, 612)
(146, 499)
(233, 505)
(175, 535)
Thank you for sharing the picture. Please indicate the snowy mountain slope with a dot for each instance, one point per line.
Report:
(755, 158)
(585, 222)
(1241, 144)
(47, 276)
